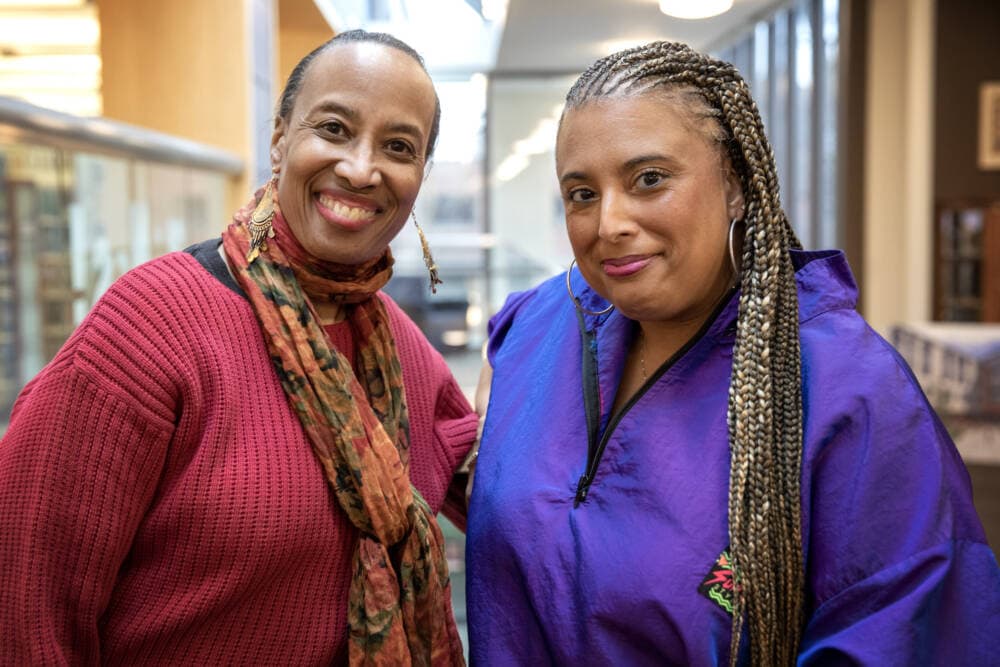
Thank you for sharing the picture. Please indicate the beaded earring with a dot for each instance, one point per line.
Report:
(260, 220)
(432, 268)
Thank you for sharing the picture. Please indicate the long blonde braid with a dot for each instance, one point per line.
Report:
(765, 393)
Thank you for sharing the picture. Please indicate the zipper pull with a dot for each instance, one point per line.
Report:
(582, 487)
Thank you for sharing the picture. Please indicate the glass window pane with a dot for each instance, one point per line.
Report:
(451, 210)
(792, 71)
(761, 75)
(830, 234)
(525, 202)
(800, 204)
(70, 224)
(98, 216)
(37, 294)
(742, 58)
(164, 230)
(780, 117)
(204, 205)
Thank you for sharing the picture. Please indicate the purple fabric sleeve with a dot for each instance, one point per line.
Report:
(500, 323)
(937, 607)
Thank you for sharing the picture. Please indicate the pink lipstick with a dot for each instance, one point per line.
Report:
(620, 267)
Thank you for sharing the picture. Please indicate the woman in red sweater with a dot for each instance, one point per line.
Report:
(237, 457)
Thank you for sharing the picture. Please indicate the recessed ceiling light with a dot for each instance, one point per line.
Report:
(694, 9)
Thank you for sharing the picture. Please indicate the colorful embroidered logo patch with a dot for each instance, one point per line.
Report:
(719, 583)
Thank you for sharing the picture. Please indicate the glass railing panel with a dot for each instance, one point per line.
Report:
(79, 208)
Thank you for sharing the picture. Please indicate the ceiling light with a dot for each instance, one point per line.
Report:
(30, 33)
(494, 10)
(694, 9)
(41, 4)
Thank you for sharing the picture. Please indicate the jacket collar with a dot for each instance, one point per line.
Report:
(823, 278)
(824, 283)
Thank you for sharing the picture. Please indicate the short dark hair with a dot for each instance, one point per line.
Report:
(287, 100)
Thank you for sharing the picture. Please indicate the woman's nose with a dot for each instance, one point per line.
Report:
(359, 168)
(615, 221)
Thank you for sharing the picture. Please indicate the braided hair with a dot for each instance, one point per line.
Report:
(765, 395)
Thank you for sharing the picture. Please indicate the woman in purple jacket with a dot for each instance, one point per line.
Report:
(702, 454)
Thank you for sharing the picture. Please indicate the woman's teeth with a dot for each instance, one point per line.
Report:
(344, 211)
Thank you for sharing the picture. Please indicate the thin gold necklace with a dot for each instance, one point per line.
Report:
(642, 355)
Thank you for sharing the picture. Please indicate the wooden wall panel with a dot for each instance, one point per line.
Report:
(182, 68)
(301, 28)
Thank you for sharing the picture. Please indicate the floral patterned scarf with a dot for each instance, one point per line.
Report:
(399, 610)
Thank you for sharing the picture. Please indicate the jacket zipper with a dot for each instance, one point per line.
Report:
(594, 458)
(595, 448)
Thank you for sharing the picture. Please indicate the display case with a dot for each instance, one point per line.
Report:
(967, 262)
(82, 202)
(9, 376)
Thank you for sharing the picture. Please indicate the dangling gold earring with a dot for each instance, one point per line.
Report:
(260, 220)
(432, 268)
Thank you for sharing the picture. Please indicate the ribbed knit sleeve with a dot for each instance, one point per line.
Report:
(78, 468)
(456, 428)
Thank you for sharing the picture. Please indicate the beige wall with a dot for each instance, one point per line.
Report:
(898, 206)
(180, 67)
(185, 68)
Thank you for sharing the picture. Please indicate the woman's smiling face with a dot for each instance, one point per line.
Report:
(649, 198)
(351, 152)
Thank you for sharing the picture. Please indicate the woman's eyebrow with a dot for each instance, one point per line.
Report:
(642, 159)
(330, 106)
(628, 165)
(573, 176)
(407, 128)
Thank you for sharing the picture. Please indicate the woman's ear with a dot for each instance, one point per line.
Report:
(735, 205)
(278, 140)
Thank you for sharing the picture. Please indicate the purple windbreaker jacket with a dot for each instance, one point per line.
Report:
(625, 564)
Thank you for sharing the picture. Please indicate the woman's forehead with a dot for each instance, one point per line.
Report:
(651, 113)
(367, 67)
(613, 118)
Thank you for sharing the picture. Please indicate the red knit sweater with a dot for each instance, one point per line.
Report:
(159, 502)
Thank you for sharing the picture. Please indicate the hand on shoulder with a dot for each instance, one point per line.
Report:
(481, 401)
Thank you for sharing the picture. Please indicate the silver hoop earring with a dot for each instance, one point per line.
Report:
(576, 302)
(732, 251)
